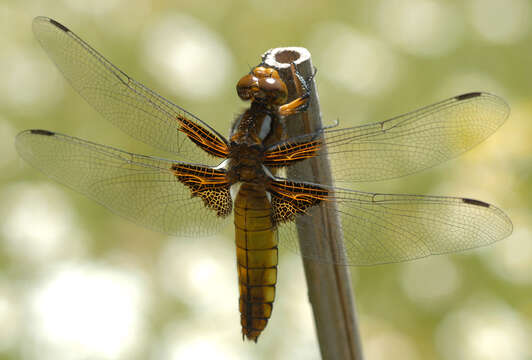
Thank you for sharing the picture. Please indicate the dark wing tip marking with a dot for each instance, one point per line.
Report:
(475, 202)
(41, 132)
(468, 96)
(59, 25)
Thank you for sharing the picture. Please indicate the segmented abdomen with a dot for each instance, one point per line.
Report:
(256, 250)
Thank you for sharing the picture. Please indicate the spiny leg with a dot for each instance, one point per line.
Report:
(300, 104)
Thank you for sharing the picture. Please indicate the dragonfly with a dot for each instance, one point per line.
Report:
(212, 179)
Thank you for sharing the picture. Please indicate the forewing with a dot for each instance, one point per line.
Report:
(143, 189)
(388, 228)
(137, 110)
(408, 143)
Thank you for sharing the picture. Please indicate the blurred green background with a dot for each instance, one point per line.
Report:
(78, 282)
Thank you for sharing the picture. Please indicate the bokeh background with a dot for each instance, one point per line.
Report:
(77, 282)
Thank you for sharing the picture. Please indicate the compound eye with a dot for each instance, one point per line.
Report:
(247, 86)
(269, 84)
(274, 89)
(263, 72)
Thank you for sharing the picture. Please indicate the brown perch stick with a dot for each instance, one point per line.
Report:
(329, 286)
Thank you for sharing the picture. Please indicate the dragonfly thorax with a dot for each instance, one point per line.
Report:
(245, 163)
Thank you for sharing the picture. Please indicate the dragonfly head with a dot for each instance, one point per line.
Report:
(263, 84)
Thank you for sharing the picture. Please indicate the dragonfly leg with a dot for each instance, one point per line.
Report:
(300, 104)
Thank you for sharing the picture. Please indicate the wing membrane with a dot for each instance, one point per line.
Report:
(388, 228)
(140, 188)
(137, 110)
(408, 143)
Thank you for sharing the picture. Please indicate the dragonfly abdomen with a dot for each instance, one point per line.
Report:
(256, 249)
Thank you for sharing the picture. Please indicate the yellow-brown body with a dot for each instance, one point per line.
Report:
(256, 250)
(253, 165)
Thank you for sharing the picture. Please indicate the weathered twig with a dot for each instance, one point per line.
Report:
(329, 285)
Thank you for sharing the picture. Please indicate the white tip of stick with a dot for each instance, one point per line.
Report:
(282, 57)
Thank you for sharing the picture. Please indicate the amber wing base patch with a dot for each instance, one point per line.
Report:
(290, 152)
(202, 137)
(210, 184)
(291, 198)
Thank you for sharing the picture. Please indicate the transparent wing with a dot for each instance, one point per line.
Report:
(411, 142)
(140, 188)
(137, 110)
(388, 228)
